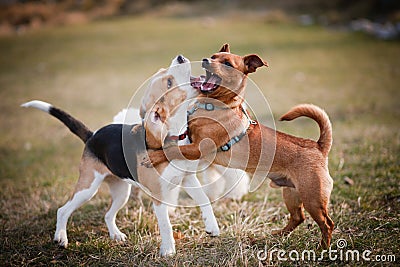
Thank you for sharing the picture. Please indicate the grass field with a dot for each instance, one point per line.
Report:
(93, 70)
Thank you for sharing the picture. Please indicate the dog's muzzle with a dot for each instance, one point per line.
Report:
(181, 59)
(205, 63)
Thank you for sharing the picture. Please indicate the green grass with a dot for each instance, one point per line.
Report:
(93, 70)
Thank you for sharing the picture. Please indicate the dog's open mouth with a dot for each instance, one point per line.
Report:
(206, 83)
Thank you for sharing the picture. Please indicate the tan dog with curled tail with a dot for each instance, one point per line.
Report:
(218, 126)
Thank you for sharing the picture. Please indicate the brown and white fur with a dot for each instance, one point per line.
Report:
(299, 166)
(217, 181)
(94, 169)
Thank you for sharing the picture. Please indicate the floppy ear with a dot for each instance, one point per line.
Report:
(156, 131)
(225, 48)
(252, 62)
(158, 120)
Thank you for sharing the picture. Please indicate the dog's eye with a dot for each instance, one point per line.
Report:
(169, 83)
(212, 57)
(227, 63)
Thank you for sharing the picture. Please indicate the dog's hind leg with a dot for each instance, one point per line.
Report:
(119, 190)
(91, 184)
(325, 223)
(317, 206)
(315, 193)
(194, 189)
(295, 208)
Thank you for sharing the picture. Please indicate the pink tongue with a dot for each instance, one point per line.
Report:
(196, 82)
(209, 85)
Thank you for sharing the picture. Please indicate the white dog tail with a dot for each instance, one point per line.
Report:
(320, 116)
(75, 126)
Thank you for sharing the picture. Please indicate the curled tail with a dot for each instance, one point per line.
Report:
(76, 126)
(320, 116)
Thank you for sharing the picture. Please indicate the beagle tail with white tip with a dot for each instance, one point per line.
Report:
(75, 126)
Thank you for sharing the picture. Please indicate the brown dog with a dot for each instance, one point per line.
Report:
(299, 166)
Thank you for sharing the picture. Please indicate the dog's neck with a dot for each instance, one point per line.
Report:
(177, 123)
(230, 98)
(234, 103)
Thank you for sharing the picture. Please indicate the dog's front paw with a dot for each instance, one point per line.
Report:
(60, 237)
(147, 162)
(212, 227)
(281, 232)
(167, 249)
(118, 236)
(154, 158)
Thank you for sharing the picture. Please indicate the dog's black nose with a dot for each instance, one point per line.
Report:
(205, 62)
(181, 59)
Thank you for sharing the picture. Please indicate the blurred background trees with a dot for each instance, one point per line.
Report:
(377, 17)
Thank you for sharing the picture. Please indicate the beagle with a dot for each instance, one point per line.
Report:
(112, 152)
